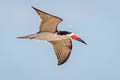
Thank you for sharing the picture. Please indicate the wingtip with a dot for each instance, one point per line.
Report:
(59, 64)
(33, 7)
(44, 12)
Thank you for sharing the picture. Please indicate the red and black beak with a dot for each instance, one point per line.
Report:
(81, 41)
(77, 38)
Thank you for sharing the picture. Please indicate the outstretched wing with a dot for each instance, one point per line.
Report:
(62, 49)
(49, 22)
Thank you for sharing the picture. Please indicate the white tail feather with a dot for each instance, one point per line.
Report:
(25, 37)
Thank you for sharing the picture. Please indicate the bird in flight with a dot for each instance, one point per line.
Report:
(60, 40)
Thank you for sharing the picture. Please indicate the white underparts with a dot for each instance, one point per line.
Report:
(50, 36)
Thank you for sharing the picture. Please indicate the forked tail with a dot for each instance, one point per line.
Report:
(27, 37)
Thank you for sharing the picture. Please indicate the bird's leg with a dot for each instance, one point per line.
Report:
(32, 37)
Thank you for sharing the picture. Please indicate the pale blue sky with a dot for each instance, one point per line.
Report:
(96, 21)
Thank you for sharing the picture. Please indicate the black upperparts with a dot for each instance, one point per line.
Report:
(63, 32)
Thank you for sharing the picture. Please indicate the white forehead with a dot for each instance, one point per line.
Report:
(71, 34)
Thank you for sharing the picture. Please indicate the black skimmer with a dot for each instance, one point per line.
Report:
(61, 40)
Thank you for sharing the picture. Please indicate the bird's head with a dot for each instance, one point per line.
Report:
(71, 35)
(75, 37)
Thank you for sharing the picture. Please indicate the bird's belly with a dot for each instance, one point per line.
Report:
(49, 36)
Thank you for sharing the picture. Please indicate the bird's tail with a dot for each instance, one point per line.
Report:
(27, 37)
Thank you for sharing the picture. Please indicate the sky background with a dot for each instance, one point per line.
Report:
(95, 21)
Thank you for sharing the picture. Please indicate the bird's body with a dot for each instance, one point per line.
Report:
(61, 40)
(50, 36)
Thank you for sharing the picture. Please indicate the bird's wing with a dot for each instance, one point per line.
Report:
(62, 49)
(49, 22)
